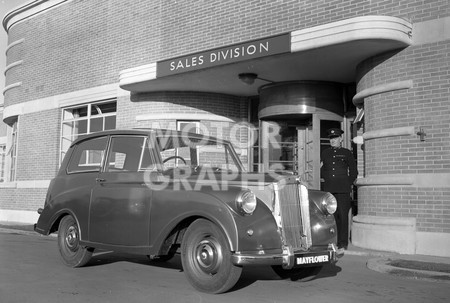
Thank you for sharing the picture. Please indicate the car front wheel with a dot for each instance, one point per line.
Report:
(72, 253)
(206, 258)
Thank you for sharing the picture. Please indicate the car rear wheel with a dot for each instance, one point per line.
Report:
(72, 253)
(297, 274)
(206, 258)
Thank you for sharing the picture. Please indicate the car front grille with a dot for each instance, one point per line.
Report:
(293, 203)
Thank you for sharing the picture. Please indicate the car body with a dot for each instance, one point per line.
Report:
(156, 192)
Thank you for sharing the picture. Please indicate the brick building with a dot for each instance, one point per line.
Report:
(286, 70)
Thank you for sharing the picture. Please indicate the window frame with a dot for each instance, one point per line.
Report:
(145, 144)
(197, 130)
(67, 140)
(3, 177)
(74, 153)
(14, 135)
(9, 153)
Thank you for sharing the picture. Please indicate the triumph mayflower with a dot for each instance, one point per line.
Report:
(165, 193)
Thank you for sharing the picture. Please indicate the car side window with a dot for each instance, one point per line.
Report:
(88, 155)
(129, 154)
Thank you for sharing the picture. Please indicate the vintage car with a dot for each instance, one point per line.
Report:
(160, 193)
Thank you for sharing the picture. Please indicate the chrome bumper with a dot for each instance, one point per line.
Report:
(289, 259)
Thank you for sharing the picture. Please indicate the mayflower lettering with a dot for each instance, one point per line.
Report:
(312, 259)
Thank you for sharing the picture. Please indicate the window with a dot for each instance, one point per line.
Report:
(129, 154)
(187, 127)
(8, 152)
(13, 151)
(197, 153)
(254, 151)
(86, 119)
(2, 162)
(88, 156)
(255, 161)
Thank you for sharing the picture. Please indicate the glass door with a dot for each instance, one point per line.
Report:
(282, 147)
(294, 144)
(305, 151)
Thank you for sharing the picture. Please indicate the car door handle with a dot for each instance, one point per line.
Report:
(99, 180)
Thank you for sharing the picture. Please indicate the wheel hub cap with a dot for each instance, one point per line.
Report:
(72, 237)
(209, 256)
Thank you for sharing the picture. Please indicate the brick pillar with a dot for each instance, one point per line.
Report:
(405, 190)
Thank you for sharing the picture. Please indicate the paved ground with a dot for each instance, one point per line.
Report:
(32, 272)
(417, 267)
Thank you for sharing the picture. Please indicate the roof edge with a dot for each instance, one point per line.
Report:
(28, 10)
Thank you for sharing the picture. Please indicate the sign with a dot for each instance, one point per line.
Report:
(312, 259)
(225, 55)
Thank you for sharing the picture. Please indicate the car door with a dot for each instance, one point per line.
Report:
(84, 164)
(121, 200)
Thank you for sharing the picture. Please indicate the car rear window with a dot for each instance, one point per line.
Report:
(88, 155)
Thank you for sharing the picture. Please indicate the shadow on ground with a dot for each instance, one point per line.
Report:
(250, 274)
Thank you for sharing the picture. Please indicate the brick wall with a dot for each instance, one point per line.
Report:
(85, 44)
(427, 105)
(13, 199)
(37, 159)
(179, 102)
(429, 206)
(189, 104)
(38, 145)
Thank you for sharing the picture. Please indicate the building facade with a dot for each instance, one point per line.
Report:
(271, 76)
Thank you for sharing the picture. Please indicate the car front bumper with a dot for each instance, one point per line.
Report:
(289, 259)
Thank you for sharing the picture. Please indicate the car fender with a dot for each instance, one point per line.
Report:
(244, 233)
(61, 205)
(52, 223)
(186, 206)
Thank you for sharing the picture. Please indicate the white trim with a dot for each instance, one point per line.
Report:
(29, 10)
(184, 116)
(431, 31)
(20, 62)
(17, 84)
(358, 99)
(19, 216)
(349, 30)
(398, 234)
(433, 244)
(33, 184)
(14, 44)
(441, 180)
(385, 233)
(73, 98)
(353, 29)
(137, 74)
(389, 132)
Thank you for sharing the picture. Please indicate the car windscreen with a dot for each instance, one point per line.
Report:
(197, 152)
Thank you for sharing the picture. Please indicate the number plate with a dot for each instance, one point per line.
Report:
(308, 259)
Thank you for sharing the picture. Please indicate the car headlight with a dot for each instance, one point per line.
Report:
(329, 203)
(246, 202)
